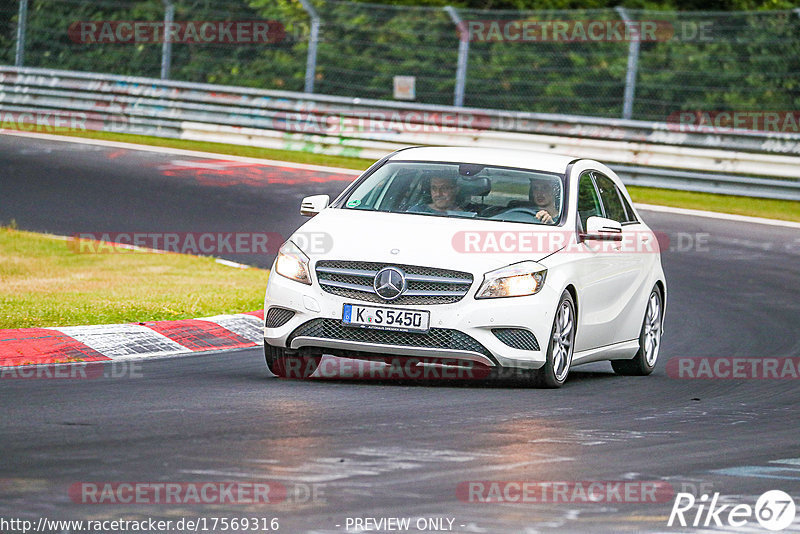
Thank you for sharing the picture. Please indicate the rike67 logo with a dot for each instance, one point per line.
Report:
(774, 510)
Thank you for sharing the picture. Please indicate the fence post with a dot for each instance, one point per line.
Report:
(22, 19)
(166, 47)
(633, 64)
(463, 56)
(311, 60)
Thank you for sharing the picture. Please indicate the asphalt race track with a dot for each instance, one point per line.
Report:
(382, 448)
(71, 188)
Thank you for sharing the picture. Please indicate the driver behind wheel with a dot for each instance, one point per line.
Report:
(445, 196)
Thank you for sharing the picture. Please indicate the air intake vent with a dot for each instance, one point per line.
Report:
(435, 338)
(277, 317)
(517, 338)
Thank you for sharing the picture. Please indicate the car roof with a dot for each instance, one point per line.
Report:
(522, 159)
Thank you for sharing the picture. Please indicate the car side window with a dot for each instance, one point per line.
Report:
(628, 209)
(610, 196)
(588, 203)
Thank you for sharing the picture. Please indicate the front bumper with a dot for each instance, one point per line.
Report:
(465, 330)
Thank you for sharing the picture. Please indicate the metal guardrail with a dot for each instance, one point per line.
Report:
(644, 153)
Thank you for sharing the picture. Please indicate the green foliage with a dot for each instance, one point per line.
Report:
(709, 61)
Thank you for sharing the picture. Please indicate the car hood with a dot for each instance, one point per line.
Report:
(475, 246)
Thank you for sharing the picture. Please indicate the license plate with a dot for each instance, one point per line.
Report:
(386, 318)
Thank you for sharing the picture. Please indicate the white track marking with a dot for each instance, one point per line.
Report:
(247, 326)
(120, 340)
(181, 152)
(718, 215)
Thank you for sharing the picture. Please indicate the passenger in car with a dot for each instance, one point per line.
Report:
(543, 198)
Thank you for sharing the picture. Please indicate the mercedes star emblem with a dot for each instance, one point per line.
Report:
(389, 283)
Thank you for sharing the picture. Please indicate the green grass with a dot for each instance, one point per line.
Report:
(295, 156)
(757, 207)
(43, 282)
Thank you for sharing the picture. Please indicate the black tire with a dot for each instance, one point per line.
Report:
(285, 365)
(554, 372)
(649, 340)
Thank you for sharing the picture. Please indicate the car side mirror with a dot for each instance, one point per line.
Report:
(602, 229)
(313, 205)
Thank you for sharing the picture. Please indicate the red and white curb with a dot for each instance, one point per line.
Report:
(33, 346)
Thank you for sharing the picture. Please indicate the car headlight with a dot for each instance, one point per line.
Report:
(517, 280)
(292, 263)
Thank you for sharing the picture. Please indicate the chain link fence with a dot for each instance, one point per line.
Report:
(636, 64)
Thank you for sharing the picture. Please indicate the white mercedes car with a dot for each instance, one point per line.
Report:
(478, 257)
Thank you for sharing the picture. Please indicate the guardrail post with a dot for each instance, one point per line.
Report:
(166, 47)
(22, 19)
(311, 60)
(633, 64)
(463, 56)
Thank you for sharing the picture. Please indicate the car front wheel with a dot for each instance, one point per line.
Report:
(286, 365)
(649, 341)
(554, 372)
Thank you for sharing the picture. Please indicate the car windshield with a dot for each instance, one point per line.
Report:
(461, 190)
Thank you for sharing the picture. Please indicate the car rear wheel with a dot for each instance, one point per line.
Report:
(649, 341)
(286, 365)
(554, 372)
